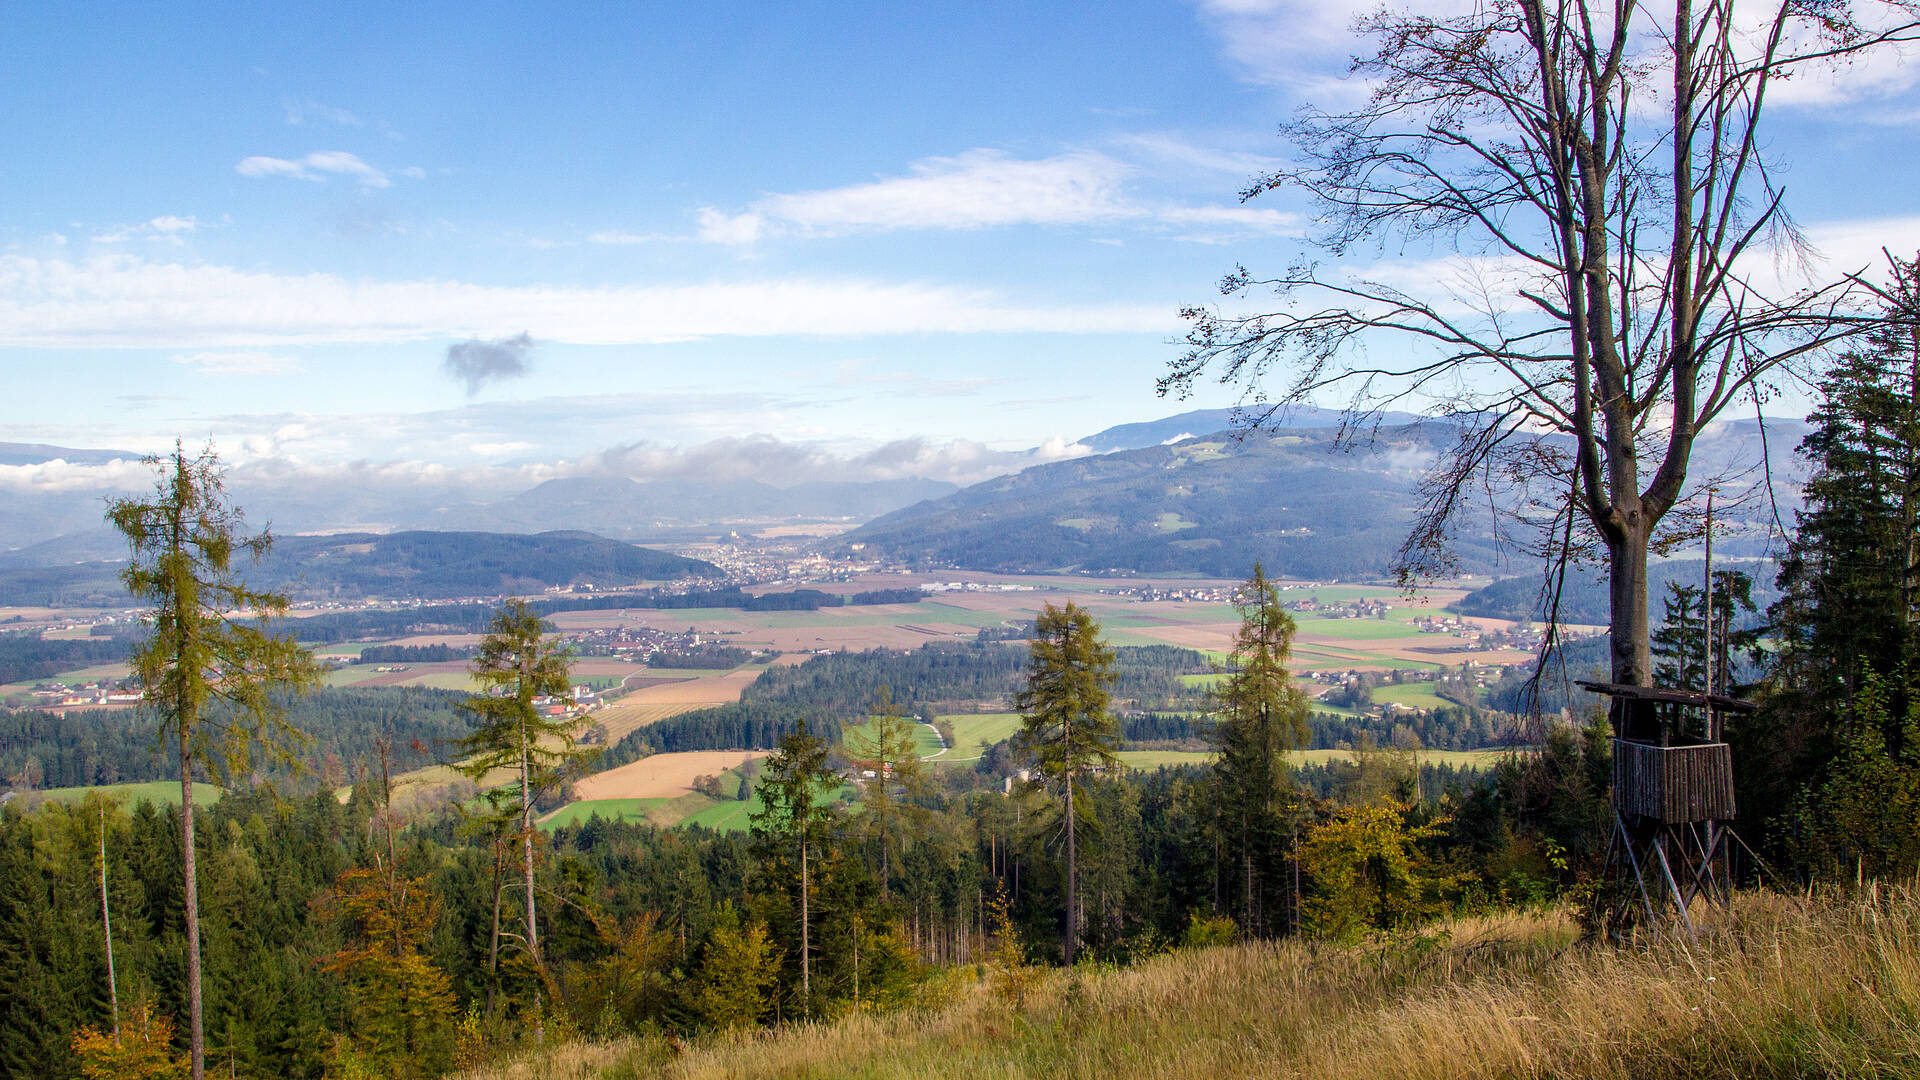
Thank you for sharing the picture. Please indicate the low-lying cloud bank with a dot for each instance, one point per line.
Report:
(762, 458)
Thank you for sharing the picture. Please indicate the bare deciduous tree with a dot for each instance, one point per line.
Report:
(1602, 172)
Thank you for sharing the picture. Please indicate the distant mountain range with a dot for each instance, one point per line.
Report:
(1187, 425)
(1298, 499)
(618, 506)
(59, 527)
(1186, 493)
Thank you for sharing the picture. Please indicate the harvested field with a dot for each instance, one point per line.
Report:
(603, 665)
(709, 690)
(662, 775)
(457, 641)
(624, 719)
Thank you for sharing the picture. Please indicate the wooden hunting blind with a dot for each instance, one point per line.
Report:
(1672, 794)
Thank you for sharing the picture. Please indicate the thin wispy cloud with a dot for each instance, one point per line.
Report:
(315, 167)
(978, 189)
(170, 228)
(122, 300)
(241, 363)
(301, 113)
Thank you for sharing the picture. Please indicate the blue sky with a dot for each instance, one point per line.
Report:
(952, 231)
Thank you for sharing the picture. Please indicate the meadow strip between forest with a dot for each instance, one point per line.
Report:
(1781, 987)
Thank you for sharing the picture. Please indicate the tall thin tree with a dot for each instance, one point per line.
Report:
(523, 729)
(206, 646)
(1067, 728)
(792, 823)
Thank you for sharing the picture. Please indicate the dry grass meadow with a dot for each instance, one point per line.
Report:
(1783, 987)
(662, 775)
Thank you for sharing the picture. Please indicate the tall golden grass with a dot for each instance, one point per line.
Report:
(1778, 987)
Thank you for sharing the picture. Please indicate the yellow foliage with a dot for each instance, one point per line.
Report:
(142, 1051)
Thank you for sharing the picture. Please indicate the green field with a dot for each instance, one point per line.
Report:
(608, 809)
(727, 816)
(158, 792)
(1357, 629)
(1418, 695)
(974, 732)
(1153, 759)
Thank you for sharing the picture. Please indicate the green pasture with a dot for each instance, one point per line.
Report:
(607, 809)
(158, 792)
(1153, 759)
(974, 732)
(1357, 629)
(1418, 695)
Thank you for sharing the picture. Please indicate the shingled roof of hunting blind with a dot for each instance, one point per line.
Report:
(1664, 696)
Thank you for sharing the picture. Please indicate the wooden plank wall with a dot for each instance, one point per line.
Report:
(1673, 783)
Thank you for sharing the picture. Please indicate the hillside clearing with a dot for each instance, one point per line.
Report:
(1783, 988)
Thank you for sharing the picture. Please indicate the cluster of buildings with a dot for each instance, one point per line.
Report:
(59, 695)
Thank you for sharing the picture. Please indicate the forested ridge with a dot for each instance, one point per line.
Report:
(417, 564)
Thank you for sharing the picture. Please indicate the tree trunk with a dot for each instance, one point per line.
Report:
(493, 939)
(1073, 879)
(1632, 652)
(526, 847)
(196, 1032)
(806, 940)
(106, 927)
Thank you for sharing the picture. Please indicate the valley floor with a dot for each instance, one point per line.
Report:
(1783, 987)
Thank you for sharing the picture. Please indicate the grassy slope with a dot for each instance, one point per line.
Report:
(1789, 988)
(158, 792)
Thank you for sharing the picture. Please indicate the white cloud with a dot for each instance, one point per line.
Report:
(299, 113)
(241, 363)
(64, 477)
(121, 300)
(315, 167)
(721, 228)
(977, 189)
(984, 189)
(167, 227)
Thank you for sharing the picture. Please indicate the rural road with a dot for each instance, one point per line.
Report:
(936, 734)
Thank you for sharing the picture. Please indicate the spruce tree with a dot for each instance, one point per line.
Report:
(206, 646)
(1068, 730)
(1262, 716)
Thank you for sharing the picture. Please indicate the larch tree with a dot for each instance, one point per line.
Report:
(886, 744)
(521, 671)
(1604, 173)
(206, 648)
(1262, 716)
(1067, 728)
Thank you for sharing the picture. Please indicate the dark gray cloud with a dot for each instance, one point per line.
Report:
(478, 363)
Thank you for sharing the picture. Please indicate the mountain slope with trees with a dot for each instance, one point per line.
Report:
(1290, 499)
